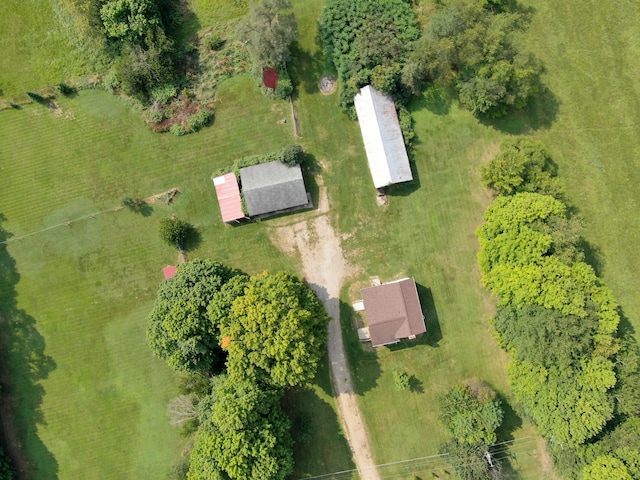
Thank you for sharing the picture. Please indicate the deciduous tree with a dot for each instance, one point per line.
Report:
(179, 329)
(276, 329)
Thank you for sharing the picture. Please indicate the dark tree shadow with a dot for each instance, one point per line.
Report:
(364, 364)
(307, 69)
(541, 112)
(593, 256)
(24, 366)
(320, 446)
(416, 385)
(146, 209)
(434, 98)
(433, 335)
(193, 240)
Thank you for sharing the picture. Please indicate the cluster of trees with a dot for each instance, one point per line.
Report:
(138, 33)
(268, 30)
(469, 45)
(471, 414)
(250, 338)
(574, 374)
(368, 42)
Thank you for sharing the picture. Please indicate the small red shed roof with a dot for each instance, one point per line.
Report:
(229, 197)
(270, 77)
(169, 271)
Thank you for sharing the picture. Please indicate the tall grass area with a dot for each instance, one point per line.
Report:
(41, 46)
(97, 408)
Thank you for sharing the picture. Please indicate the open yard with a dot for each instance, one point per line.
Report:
(90, 398)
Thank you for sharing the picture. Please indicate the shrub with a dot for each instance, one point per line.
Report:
(177, 130)
(174, 231)
(36, 97)
(133, 204)
(65, 89)
(400, 380)
(292, 155)
(406, 125)
(155, 115)
(199, 120)
(163, 93)
(213, 42)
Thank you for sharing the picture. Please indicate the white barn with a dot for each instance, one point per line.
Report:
(383, 142)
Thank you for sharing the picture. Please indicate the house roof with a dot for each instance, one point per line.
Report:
(270, 187)
(228, 197)
(383, 142)
(393, 311)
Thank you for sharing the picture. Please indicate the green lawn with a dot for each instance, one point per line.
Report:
(41, 46)
(95, 406)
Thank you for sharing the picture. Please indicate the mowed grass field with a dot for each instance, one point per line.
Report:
(97, 409)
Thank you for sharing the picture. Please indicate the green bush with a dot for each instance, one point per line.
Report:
(292, 155)
(199, 120)
(174, 231)
(65, 89)
(213, 42)
(155, 114)
(400, 380)
(177, 130)
(133, 204)
(406, 125)
(163, 93)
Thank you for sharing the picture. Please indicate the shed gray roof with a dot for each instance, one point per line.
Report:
(382, 137)
(270, 187)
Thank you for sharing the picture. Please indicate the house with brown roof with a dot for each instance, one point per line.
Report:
(392, 311)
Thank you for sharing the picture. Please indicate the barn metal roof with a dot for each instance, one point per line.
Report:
(228, 197)
(386, 152)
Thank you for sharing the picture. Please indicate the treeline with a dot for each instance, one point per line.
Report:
(468, 45)
(575, 373)
(239, 343)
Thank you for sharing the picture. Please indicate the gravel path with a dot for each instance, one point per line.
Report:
(325, 268)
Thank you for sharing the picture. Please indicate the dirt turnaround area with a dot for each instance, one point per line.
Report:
(324, 269)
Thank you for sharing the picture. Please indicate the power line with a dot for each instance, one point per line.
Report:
(432, 462)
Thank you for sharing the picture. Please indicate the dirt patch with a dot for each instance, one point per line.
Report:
(328, 85)
(164, 198)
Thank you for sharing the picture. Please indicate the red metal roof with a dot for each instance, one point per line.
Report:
(169, 271)
(229, 197)
(269, 77)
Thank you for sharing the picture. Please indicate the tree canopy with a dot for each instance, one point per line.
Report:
(471, 44)
(179, 329)
(606, 467)
(268, 30)
(276, 326)
(367, 41)
(523, 165)
(174, 231)
(471, 419)
(246, 437)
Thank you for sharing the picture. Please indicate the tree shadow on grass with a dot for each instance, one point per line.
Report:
(541, 112)
(435, 98)
(364, 364)
(320, 446)
(24, 365)
(307, 69)
(193, 240)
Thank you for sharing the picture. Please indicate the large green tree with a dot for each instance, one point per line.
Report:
(268, 30)
(179, 329)
(275, 327)
(606, 467)
(246, 436)
(471, 418)
(471, 44)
